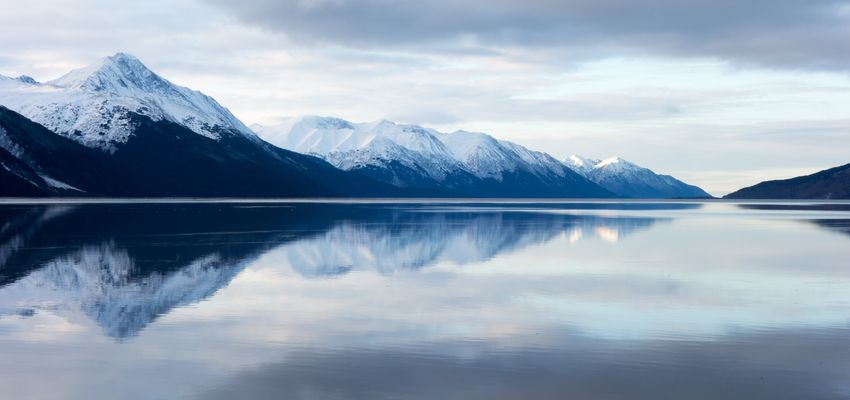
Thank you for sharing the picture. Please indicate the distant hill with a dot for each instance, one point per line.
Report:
(833, 183)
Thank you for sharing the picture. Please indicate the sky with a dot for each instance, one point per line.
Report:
(720, 93)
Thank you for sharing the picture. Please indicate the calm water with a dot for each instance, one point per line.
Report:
(425, 301)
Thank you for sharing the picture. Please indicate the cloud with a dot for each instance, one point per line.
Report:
(787, 33)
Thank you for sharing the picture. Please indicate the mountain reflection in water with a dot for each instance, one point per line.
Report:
(125, 265)
(301, 300)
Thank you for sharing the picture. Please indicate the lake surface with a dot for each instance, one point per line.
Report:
(301, 300)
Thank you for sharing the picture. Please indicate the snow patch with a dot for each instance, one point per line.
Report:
(9, 145)
(54, 183)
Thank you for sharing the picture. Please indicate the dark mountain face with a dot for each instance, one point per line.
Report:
(166, 159)
(38, 157)
(517, 183)
(415, 183)
(669, 188)
(833, 183)
(526, 184)
(17, 178)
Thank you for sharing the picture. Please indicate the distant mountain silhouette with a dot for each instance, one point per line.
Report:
(833, 183)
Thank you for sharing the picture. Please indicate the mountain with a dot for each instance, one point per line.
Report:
(630, 180)
(95, 105)
(410, 156)
(42, 162)
(832, 183)
(118, 129)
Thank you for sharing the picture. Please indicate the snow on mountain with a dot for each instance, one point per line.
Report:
(631, 180)
(465, 156)
(390, 248)
(96, 280)
(94, 105)
(349, 145)
(580, 164)
(487, 157)
(456, 238)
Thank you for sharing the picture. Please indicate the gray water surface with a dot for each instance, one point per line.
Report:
(425, 300)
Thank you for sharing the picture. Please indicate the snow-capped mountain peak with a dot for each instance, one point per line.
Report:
(464, 144)
(609, 161)
(587, 166)
(117, 74)
(581, 164)
(488, 157)
(94, 105)
(616, 163)
(350, 145)
(629, 179)
(328, 135)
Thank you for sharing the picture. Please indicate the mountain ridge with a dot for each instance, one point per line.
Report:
(470, 163)
(92, 105)
(631, 180)
(832, 183)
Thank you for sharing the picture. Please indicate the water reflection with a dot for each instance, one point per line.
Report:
(306, 301)
(412, 239)
(765, 365)
(810, 212)
(125, 265)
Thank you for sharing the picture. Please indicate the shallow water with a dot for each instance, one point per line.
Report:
(580, 300)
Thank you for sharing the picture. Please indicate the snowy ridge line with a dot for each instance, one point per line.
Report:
(94, 105)
(349, 145)
(435, 154)
(631, 180)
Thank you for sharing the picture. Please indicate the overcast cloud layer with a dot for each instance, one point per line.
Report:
(720, 93)
(788, 33)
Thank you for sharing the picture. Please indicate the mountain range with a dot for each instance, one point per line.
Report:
(116, 128)
(469, 163)
(411, 156)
